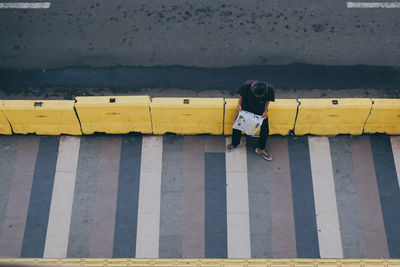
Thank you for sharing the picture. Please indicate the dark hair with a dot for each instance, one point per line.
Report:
(259, 89)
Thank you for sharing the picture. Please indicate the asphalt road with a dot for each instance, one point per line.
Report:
(198, 33)
(200, 45)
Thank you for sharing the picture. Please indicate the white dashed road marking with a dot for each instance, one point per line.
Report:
(21, 5)
(373, 4)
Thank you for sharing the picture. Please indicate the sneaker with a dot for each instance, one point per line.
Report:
(230, 148)
(264, 154)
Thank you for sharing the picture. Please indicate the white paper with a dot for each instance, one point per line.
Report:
(248, 122)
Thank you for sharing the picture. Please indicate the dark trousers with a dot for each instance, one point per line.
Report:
(262, 140)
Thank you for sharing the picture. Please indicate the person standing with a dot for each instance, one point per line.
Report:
(255, 97)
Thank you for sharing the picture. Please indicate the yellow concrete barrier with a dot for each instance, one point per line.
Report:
(230, 114)
(5, 127)
(127, 262)
(187, 115)
(114, 114)
(281, 115)
(384, 117)
(332, 116)
(44, 117)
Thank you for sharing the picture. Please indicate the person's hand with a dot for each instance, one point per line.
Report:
(239, 108)
(265, 114)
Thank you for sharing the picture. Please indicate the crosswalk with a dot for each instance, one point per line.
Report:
(184, 196)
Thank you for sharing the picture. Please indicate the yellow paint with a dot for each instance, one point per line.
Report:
(384, 117)
(43, 117)
(201, 115)
(322, 117)
(5, 127)
(197, 116)
(115, 262)
(230, 114)
(281, 115)
(114, 114)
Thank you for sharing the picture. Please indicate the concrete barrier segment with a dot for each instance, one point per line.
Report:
(282, 115)
(332, 116)
(230, 114)
(42, 117)
(114, 114)
(5, 127)
(384, 117)
(187, 115)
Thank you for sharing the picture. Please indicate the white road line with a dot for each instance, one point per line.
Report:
(395, 140)
(63, 195)
(237, 196)
(23, 5)
(330, 244)
(373, 4)
(148, 225)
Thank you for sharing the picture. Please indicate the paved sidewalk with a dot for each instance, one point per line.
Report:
(184, 196)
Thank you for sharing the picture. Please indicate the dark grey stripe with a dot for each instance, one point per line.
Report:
(389, 192)
(41, 193)
(259, 203)
(102, 236)
(303, 198)
(193, 197)
(84, 198)
(215, 232)
(170, 245)
(18, 200)
(368, 199)
(8, 151)
(128, 197)
(346, 197)
(215, 206)
(283, 233)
